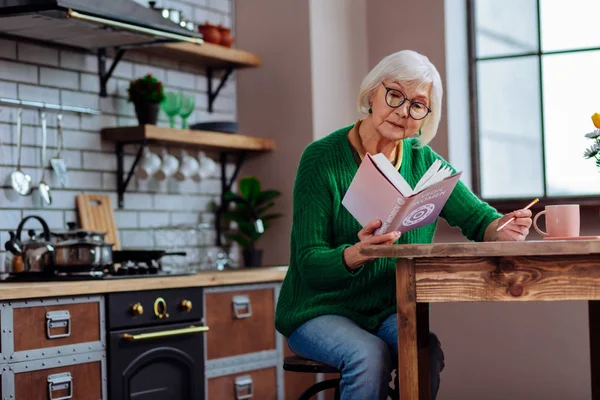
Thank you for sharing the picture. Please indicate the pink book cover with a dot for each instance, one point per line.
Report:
(372, 195)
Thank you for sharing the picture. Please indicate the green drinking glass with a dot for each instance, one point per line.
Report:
(171, 105)
(187, 108)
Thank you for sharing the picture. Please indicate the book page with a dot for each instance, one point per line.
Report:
(385, 166)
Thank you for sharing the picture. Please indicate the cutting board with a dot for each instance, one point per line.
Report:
(96, 214)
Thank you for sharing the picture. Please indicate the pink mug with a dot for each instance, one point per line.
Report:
(561, 221)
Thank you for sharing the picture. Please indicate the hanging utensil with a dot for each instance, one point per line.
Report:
(20, 181)
(43, 187)
(58, 164)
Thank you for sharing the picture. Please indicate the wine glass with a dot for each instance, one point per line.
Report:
(187, 107)
(171, 105)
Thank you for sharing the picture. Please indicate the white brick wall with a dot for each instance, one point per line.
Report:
(58, 75)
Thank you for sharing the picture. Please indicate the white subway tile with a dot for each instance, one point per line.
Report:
(138, 201)
(136, 239)
(153, 219)
(81, 140)
(99, 161)
(221, 5)
(142, 70)
(8, 89)
(38, 93)
(126, 219)
(80, 99)
(85, 180)
(203, 15)
(37, 54)
(179, 218)
(10, 219)
(125, 108)
(108, 105)
(201, 104)
(62, 199)
(109, 181)
(124, 69)
(54, 219)
(210, 186)
(8, 48)
(11, 199)
(79, 61)
(59, 78)
(168, 202)
(127, 121)
(180, 79)
(95, 123)
(18, 72)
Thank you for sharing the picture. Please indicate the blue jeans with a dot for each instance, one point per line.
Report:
(366, 360)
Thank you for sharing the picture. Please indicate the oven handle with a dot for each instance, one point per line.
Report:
(161, 334)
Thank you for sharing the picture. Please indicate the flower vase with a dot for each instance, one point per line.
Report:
(147, 113)
(252, 257)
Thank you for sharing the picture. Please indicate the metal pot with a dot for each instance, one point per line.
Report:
(82, 254)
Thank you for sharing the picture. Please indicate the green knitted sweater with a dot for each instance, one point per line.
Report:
(317, 282)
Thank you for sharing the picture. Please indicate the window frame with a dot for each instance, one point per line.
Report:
(509, 204)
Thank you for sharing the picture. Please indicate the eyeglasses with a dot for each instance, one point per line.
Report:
(395, 98)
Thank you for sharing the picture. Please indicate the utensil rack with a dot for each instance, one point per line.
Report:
(49, 106)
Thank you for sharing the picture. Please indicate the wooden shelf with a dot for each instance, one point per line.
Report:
(187, 138)
(205, 55)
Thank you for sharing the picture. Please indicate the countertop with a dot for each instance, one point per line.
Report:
(28, 290)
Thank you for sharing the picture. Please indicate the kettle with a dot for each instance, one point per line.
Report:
(37, 254)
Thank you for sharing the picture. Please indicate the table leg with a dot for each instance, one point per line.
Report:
(406, 297)
(594, 324)
(423, 344)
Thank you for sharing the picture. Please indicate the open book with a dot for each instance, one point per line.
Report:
(378, 191)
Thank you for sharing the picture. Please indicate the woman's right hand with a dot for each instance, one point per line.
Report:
(352, 258)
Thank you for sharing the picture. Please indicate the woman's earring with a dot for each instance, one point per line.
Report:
(370, 111)
(420, 132)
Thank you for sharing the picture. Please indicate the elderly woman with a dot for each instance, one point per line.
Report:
(336, 305)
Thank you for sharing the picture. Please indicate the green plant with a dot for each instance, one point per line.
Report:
(250, 211)
(594, 150)
(147, 89)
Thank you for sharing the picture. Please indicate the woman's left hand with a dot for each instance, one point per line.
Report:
(516, 230)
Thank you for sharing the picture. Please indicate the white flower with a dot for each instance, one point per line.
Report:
(592, 151)
(593, 135)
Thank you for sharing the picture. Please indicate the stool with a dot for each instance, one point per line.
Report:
(300, 364)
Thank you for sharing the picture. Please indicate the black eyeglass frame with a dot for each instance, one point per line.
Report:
(387, 90)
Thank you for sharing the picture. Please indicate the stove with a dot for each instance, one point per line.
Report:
(125, 270)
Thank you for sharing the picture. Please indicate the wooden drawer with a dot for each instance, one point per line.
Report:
(86, 382)
(261, 384)
(33, 328)
(240, 322)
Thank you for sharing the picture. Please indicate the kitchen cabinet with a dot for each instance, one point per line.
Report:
(54, 348)
(258, 384)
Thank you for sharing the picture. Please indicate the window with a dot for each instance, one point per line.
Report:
(535, 83)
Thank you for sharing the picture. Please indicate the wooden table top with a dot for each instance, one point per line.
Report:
(28, 290)
(485, 249)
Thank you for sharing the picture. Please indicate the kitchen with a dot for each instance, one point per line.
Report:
(114, 286)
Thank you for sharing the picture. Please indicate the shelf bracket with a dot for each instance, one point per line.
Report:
(225, 187)
(121, 182)
(212, 96)
(102, 73)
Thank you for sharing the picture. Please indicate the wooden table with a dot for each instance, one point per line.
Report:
(490, 271)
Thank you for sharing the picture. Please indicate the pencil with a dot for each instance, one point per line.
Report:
(528, 206)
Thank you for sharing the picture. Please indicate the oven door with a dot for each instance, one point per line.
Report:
(157, 363)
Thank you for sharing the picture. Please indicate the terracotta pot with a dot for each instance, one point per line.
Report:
(147, 113)
(226, 38)
(210, 33)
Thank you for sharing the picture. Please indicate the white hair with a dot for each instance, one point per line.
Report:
(414, 70)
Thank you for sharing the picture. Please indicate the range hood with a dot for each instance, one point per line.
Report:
(90, 24)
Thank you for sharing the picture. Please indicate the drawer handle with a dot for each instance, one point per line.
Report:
(241, 304)
(244, 387)
(61, 381)
(58, 319)
(161, 334)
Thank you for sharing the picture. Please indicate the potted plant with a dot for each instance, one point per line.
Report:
(250, 214)
(146, 94)
(594, 150)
